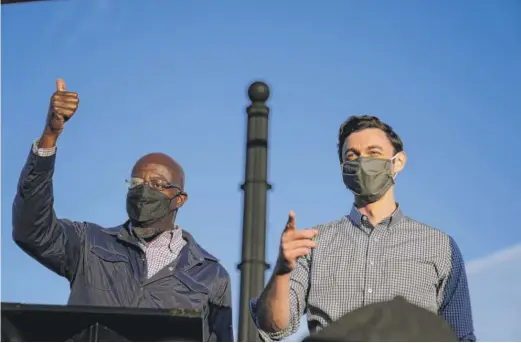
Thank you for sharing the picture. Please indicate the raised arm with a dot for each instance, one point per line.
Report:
(54, 243)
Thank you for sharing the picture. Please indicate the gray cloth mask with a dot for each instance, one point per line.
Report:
(368, 178)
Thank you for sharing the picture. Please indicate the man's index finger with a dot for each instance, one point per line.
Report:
(290, 225)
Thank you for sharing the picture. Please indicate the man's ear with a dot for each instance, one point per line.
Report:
(181, 199)
(399, 162)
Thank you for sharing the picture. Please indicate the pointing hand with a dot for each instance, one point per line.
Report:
(294, 244)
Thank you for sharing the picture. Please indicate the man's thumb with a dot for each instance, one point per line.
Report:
(60, 85)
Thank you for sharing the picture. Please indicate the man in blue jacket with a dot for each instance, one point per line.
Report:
(146, 262)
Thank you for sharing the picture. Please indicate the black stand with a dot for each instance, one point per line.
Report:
(48, 323)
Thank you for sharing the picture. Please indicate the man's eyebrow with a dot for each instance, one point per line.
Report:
(160, 178)
(351, 150)
(370, 147)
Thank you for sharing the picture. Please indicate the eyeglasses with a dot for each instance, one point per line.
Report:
(156, 184)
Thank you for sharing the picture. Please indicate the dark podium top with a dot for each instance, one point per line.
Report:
(50, 323)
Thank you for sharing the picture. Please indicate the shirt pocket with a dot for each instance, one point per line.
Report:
(416, 281)
(106, 270)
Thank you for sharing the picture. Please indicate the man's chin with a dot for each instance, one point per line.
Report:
(361, 202)
(146, 233)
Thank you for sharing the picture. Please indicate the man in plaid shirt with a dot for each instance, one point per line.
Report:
(371, 255)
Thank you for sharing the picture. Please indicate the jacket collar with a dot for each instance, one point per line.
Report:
(122, 233)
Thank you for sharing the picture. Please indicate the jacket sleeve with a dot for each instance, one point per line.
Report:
(220, 320)
(53, 242)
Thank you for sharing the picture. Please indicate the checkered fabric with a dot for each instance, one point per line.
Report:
(43, 152)
(356, 264)
(389, 321)
(161, 251)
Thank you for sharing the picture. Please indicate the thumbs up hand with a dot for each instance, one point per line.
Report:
(62, 107)
(294, 244)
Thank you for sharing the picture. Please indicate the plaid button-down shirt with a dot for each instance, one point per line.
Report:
(356, 264)
(161, 251)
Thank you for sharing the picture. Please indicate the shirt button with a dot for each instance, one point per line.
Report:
(372, 263)
(170, 268)
(369, 290)
(376, 239)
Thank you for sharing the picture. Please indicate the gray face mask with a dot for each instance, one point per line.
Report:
(368, 178)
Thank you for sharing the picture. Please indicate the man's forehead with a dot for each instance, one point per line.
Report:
(364, 139)
(152, 169)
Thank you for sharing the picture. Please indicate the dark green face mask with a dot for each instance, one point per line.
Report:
(146, 206)
(368, 178)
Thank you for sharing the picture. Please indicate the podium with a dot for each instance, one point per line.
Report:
(53, 323)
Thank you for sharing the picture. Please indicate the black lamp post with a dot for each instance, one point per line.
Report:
(255, 188)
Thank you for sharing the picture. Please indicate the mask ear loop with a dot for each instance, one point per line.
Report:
(392, 162)
(178, 194)
(176, 210)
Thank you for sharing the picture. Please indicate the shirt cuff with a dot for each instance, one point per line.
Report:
(43, 152)
(264, 335)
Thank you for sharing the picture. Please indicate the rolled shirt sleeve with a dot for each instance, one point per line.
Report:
(299, 285)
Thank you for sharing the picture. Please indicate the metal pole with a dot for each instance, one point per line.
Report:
(255, 188)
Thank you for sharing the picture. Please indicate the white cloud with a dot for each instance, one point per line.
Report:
(495, 291)
(498, 258)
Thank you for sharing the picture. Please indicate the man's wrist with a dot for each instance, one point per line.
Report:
(282, 267)
(44, 150)
(47, 140)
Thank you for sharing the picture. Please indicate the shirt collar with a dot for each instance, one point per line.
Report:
(170, 236)
(357, 218)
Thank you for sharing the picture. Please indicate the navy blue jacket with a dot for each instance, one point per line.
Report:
(106, 267)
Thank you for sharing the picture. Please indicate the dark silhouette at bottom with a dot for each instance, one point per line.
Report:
(391, 321)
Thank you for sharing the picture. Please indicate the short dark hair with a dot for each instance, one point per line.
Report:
(358, 123)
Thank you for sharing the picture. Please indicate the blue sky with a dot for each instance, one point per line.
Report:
(171, 76)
